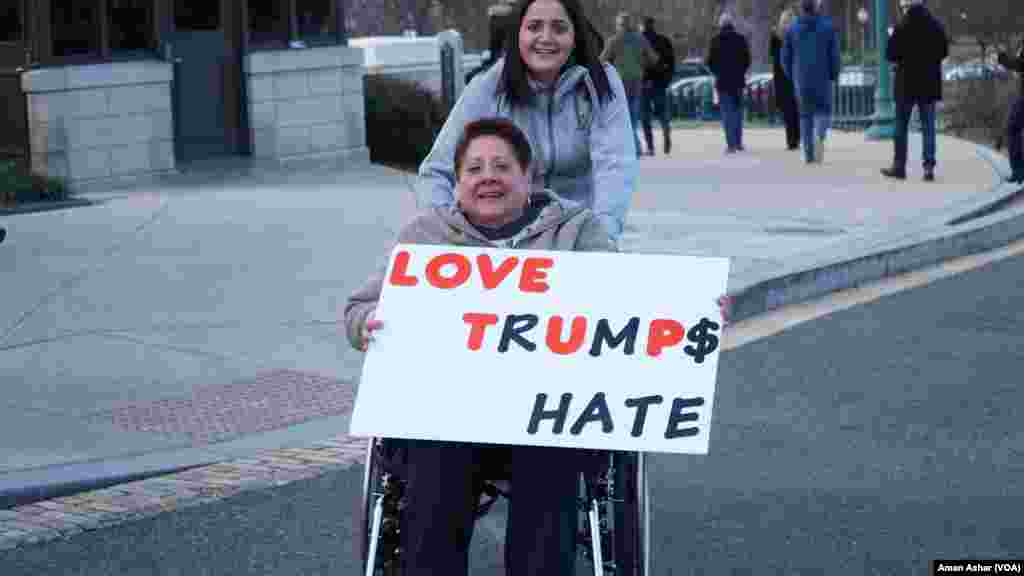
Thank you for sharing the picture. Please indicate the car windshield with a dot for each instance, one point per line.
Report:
(690, 70)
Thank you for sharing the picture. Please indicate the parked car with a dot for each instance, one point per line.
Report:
(974, 70)
(858, 76)
(690, 68)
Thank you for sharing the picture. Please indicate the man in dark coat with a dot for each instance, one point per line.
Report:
(917, 46)
(1016, 124)
(729, 59)
(656, 81)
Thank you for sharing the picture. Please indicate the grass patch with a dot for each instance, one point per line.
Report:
(19, 185)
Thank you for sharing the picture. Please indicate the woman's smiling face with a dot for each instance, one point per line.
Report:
(546, 39)
(492, 188)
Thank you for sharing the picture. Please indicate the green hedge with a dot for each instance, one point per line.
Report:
(18, 185)
(402, 120)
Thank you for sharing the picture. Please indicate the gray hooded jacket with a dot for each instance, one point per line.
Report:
(583, 151)
(561, 225)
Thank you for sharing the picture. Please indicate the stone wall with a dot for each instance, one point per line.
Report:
(101, 122)
(307, 104)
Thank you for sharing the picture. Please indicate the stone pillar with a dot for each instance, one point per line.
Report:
(453, 75)
(307, 106)
(101, 124)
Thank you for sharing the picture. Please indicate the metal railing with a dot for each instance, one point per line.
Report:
(852, 106)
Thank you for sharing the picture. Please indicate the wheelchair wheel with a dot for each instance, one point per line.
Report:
(617, 508)
(632, 514)
(381, 504)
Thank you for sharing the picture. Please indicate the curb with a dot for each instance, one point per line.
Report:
(31, 207)
(1000, 230)
(65, 517)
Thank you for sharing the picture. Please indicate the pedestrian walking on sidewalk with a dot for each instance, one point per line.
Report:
(729, 59)
(656, 81)
(574, 110)
(917, 46)
(811, 60)
(631, 54)
(1015, 126)
(785, 94)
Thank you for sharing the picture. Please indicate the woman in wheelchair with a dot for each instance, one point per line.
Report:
(495, 207)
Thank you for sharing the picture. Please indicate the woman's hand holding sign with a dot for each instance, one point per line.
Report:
(369, 326)
(725, 308)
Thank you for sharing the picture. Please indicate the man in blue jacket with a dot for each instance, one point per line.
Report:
(810, 58)
(917, 46)
(729, 59)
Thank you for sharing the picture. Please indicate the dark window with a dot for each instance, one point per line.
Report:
(76, 27)
(316, 20)
(268, 22)
(131, 25)
(197, 14)
(10, 21)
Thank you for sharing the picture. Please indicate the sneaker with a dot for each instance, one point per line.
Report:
(894, 173)
(929, 176)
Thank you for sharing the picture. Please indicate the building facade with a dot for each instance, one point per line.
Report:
(101, 90)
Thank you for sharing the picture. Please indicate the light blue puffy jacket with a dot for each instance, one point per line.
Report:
(582, 151)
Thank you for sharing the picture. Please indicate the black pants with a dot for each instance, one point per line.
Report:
(926, 112)
(655, 105)
(1013, 133)
(791, 118)
(444, 479)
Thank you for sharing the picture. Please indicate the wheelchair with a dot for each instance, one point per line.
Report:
(613, 533)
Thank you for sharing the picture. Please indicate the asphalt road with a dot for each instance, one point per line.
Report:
(869, 441)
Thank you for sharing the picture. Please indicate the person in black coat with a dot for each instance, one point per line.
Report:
(1015, 126)
(785, 95)
(917, 46)
(729, 59)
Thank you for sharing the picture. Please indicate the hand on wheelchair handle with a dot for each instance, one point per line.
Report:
(369, 326)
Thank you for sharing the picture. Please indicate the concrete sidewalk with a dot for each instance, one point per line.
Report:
(196, 321)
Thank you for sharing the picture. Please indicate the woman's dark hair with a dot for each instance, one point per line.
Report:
(513, 83)
(498, 127)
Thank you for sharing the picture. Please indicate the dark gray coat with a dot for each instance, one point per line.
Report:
(918, 46)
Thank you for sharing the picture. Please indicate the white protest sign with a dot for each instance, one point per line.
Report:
(574, 349)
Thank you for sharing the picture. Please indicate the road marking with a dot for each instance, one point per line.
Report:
(775, 321)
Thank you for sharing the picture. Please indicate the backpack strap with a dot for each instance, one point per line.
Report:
(584, 108)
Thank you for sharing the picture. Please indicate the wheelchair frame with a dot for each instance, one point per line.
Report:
(615, 504)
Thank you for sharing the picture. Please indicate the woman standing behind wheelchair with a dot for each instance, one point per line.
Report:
(495, 206)
(551, 84)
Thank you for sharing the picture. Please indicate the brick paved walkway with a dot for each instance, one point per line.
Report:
(64, 517)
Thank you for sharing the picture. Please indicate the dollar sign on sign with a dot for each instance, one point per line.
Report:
(706, 343)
